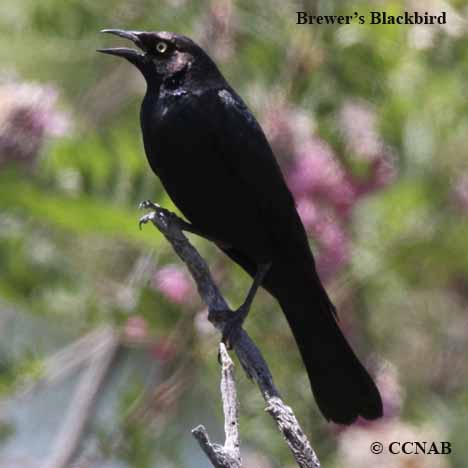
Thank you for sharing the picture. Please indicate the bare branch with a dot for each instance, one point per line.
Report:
(249, 355)
(230, 403)
(293, 435)
(227, 456)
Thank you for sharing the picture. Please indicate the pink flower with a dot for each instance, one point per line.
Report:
(28, 115)
(308, 212)
(324, 188)
(359, 124)
(317, 173)
(174, 283)
(334, 247)
(333, 241)
(136, 328)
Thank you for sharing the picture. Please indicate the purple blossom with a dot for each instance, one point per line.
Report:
(334, 243)
(359, 124)
(174, 283)
(308, 211)
(358, 121)
(28, 116)
(317, 173)
(325, 189)
(382, 172)
(287, 128)
(330, 235)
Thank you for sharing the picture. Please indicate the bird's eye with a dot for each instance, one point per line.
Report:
(161, 47)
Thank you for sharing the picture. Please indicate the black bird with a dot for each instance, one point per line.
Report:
(215, 163)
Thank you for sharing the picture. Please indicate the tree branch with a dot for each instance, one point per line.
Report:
(227, 456)
(249, 355)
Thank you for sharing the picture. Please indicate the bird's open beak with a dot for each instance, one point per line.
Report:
(132, 55)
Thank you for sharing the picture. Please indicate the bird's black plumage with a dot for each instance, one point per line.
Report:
(217, 166)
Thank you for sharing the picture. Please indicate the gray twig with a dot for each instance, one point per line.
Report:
(227, 456)
(249, 355)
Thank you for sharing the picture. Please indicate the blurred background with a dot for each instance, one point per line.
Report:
(106, 354)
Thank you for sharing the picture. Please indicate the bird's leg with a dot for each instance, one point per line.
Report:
(234, 323)
(183, 225)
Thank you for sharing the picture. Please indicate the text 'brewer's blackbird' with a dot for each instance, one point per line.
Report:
(215, 163)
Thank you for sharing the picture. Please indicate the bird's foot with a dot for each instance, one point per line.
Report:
(145, 219)
(233, 326)
(170, 218)
(157, 211)
(147, 204)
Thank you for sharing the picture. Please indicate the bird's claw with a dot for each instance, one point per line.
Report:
(233, 327)
(156, 209)
(145, 219)
(147, 204)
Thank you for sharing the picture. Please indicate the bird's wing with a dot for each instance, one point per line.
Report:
(241, 143)
(251, 158)
(244, 148)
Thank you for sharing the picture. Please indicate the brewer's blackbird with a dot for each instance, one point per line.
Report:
(215, 163)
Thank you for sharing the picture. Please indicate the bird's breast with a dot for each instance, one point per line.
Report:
(188, 161)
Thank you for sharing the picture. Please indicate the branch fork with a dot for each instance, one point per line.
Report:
(250, 357)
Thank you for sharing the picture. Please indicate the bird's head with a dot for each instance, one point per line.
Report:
(164, 56)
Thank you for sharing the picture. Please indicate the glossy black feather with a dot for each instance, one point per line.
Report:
(217, 166)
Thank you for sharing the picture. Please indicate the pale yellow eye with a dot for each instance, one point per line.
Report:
(161, 47)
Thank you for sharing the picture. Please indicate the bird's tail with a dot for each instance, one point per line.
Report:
(341, 385)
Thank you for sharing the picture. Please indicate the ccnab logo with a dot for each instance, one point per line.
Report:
(420, 448)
